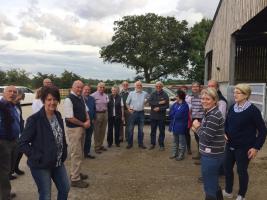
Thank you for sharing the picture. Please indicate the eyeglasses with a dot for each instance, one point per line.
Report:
(238, 93)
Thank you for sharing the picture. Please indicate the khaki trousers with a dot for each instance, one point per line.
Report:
(76, 142)
(100, 126)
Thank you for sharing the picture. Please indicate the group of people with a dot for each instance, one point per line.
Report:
(224, 137)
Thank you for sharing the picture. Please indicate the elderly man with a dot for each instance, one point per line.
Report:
(9, 132)
(37, 104)
(100, 125)
(125, 113)
(47, 82)
(159, 102)
(77, 120)
(222, 103)
(135, 103)
(90, 103)
(197, 112)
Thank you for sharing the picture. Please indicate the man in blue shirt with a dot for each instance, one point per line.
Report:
(9, 132)
(135, 104)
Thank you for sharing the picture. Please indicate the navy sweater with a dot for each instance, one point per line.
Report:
(245, 129)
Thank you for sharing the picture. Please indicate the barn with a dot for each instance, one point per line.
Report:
(236, 48)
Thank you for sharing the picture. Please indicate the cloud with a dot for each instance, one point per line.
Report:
(70, 30)
(87, 66)
(205, 7)
(8, 36)
(31, 30)
(98, 9)
(4, 21)
(64, 26)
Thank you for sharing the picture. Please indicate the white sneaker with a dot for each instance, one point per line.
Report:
(228, 195)
(239, 197)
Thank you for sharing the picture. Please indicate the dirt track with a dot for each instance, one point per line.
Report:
(135, 174)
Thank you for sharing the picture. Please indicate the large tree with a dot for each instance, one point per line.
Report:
(2, 77)
(198, 35)
(18, 77)
(155, 46)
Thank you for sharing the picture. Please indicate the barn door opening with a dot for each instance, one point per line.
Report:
(251, 50)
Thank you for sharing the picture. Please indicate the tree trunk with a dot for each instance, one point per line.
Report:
(147, 76)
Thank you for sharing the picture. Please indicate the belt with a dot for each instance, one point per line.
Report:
(101, 111)
(138, 110)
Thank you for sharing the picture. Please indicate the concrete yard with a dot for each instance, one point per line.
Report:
(135, 174)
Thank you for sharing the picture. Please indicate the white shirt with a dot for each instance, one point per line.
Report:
(68, 107)
(222, 107)
(37, 104)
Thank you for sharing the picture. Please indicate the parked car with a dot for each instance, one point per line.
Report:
(188, 88)
(29, 94)
(149, 88)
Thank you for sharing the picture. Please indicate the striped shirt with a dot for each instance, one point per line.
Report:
(196, 107)
(211, 134)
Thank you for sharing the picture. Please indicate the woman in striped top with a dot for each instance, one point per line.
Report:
(211, 143)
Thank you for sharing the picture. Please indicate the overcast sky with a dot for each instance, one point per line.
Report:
(52, 35)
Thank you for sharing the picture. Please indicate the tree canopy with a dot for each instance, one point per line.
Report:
(196, 49)
(155, 46)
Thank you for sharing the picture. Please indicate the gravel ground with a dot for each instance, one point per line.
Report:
(135, 174)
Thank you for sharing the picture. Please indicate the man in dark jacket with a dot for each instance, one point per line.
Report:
(9, 132)
(159, 102)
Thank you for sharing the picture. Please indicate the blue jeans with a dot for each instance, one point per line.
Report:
(88, 139)
(154, 123)
(137, 117)
(240, 157)
(178, 145)
(42, 178)
(210, 172)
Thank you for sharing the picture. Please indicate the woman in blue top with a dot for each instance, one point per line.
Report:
(178, 125)
(245, 134)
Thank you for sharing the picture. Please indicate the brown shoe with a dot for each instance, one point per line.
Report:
(98, 151)
(79, 184)
(197, 162)
(151, 147)
(12, 196)
(103, 148)
(83, 176)
(197, 157)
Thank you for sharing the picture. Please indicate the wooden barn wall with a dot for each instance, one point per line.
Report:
(232, 15)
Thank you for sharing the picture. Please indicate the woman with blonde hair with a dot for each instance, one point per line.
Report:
(245, 134)
(211, 143)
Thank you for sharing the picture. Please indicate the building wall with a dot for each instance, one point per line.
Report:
(231, 16)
